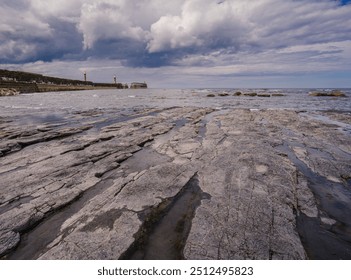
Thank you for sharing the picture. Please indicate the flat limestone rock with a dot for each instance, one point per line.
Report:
(195, 182)
(251, 211)
(8, 240)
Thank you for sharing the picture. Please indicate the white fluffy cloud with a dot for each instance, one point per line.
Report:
(121, 19)
(200, 23)
(108, 19)
(63, 9)
(256, 24)
(187, 27)
(22, 25)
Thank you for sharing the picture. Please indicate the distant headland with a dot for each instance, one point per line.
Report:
(16, 82)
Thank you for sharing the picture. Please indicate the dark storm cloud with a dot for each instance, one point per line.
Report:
(27, 34)
(63, 42)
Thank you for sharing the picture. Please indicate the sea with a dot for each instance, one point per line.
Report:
(51, 105)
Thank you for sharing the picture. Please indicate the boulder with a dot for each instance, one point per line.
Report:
(337, 93)
(250, 94)
(333, 93)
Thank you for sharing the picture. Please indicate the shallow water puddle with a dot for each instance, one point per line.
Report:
(324, 240)
(341, 126)
(33, 243)
(166, 227)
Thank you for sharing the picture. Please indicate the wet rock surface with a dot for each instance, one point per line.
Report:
(176, 183)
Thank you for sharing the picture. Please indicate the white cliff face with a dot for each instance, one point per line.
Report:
(194, 182)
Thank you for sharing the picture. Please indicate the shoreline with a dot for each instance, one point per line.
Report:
(254, 173)
(17, 82)
(40, 88)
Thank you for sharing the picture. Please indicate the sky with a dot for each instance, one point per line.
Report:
(181, 43)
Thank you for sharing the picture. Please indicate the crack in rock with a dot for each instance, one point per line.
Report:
(165, 227)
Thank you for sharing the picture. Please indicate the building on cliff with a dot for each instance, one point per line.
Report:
(138, 85)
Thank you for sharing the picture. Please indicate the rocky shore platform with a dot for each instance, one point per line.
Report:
(177, 183)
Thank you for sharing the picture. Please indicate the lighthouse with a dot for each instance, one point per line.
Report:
(85, 76)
